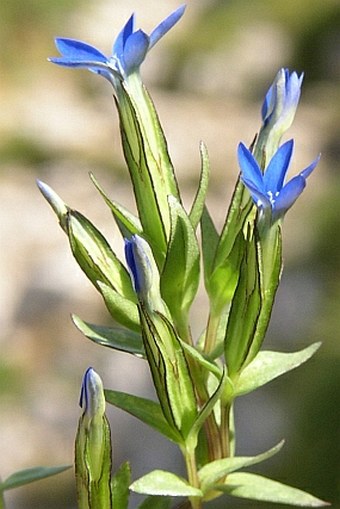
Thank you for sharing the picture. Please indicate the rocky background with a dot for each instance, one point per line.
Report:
(208, 78)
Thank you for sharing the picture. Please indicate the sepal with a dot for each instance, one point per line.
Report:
(169, 370)
(128, 223)
(199, 201)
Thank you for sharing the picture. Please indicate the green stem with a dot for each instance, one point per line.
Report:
(211, 333)
(225, 431)
(190, 460)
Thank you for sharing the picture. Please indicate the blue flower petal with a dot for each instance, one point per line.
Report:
(166, 25)
(288, 195)
(261, 200)
(78, 51)
(268, 104)
(250, 171)
(124, 34)
(276, 170)
(135, 50)
(307, 171)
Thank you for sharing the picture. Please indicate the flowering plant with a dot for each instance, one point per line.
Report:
(150, 295)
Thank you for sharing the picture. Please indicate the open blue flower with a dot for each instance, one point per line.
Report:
(129, 49)
(267, 189)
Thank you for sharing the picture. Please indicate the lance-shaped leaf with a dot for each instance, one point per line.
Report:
(222, 278)
(121, 309)
(256, 487)
(205, 411)
(120, 483)
(95, 256)
(113, 337)
(169, 371)
(160, 482)
(245, 309)
(127, 222)
(180, 276)
(269, 365)
(210, 239)
(199, 201)
(145, 410)
(30, 475)
(152, 208)
(218, 469)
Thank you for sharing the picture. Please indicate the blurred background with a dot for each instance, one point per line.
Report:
(208, 77)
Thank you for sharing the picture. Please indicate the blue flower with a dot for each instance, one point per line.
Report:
(282, 99)
(129, 49)
(267, 189)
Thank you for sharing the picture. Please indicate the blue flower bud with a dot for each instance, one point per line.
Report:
(92, 399)
(144, 273)
(278, 112)
(93, 447)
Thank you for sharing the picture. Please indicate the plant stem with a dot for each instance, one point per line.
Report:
(211, 333)
(225, 431)
(190, 460)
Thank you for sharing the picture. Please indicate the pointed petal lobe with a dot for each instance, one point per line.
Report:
(277, 168)
(288, 195)
(166, 25)
(78, 51)
(250, 170)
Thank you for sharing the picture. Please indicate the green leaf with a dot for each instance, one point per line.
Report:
(269, 365)
(112, 337)
(206, 410)
(95, 256)
(244, 311)
(120, 483)
(199, 201)
(212, 472)
(156, 502)
(180, 276)
(210, 240)
(228, 254)
(145, 410)
(256, 487)
(121, 309)
(202, 360)
(30, 475)
(160, 482)
(128, 223)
